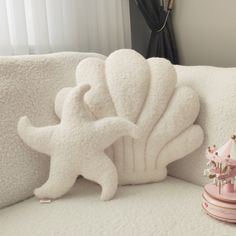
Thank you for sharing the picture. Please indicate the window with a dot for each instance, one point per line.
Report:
(43, 26)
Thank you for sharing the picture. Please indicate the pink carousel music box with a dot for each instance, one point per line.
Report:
(219, 197)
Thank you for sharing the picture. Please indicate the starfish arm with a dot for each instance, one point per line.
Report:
(102, 171)
(74, 108)
(62, 177)
(38, 138)
(60, 99)
(110, 129)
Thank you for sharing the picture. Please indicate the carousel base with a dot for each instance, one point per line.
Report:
(220, 206)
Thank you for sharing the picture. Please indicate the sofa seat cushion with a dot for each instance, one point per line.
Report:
(172, 207)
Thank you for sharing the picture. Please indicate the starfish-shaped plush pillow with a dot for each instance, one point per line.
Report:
(76, 146)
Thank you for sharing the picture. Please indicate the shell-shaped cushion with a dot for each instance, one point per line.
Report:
(143, 91)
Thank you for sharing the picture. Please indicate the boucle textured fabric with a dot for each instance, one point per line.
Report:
(217, 93)
(28, 86)
(76, 146)
(168, 208)
(144, 92)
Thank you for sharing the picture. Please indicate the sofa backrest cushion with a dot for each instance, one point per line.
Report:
(28, 85)
(216, 88)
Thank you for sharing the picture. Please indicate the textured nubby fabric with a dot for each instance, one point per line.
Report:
(28, 86)
(168, 208)
(144, 92)
(76, 146)
(216, 88)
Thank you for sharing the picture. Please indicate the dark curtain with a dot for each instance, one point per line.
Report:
(162, 40)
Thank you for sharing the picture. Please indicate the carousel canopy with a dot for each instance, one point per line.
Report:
(227, 151)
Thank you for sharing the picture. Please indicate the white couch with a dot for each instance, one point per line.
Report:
(28, 86)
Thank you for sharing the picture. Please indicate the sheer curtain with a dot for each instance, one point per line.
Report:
(43, 26)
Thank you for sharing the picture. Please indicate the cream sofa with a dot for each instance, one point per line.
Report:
(28, 86)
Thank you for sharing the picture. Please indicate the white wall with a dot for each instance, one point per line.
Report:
(206, 31)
